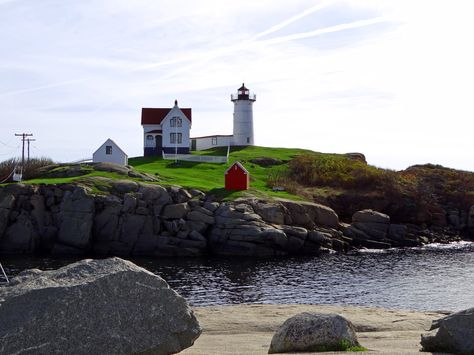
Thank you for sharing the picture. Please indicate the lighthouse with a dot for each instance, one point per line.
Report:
(243, 116)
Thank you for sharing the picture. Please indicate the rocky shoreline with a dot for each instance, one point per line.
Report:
(140, 219)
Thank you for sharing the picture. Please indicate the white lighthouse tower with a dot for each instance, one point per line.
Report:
(243, 116)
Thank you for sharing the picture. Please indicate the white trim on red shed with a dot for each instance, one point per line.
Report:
(240, 166)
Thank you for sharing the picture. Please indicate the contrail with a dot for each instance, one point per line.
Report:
(292, 19)
(331, 29)
(49, 86)
(251, 43)
(227, 50)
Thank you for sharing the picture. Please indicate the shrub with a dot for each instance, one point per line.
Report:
(339, 171)
(30, 170)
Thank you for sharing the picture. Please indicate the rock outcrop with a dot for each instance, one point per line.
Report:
(281, 227)
(314, 332)
(372, 229)
(129, 218)
(452, 334)
(108, 306)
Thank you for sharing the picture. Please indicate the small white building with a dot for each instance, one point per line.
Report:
(110, 152)
(207, 142)
(166, 130)
(243, 124)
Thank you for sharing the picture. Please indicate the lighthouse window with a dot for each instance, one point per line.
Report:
(214, 140)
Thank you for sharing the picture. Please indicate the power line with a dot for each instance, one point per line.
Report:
(6, 145)
(8, 152)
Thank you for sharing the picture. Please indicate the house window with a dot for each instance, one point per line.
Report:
(214, 140)
(149, 137)
(248, 139)
(173, 138)
(178, 120)
(108, 149)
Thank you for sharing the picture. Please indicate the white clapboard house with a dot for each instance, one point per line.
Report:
(166, 130)
(110, 152)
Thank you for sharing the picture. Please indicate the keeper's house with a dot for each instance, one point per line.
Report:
(166, 130)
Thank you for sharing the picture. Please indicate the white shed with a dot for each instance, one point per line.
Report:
(110, 152)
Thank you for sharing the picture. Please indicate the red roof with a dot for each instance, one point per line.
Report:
(240, 166)
(156, 115)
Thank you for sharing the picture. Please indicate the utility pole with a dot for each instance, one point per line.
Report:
(23, 139)
(29, 140)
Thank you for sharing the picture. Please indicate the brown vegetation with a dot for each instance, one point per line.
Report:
(419, 194)
(30, 170)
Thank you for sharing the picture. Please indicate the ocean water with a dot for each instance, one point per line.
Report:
(434, 277)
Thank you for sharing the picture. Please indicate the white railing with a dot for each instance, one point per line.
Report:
(235, 97)
(85, 160)
(198, 158)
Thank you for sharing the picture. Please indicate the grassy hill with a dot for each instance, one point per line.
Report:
(209, 177)
(419, 194)
(261, 162)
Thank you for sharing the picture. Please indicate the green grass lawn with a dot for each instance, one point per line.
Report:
(206, 177)
(209, 177)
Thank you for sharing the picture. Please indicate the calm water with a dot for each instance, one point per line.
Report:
(430, 278)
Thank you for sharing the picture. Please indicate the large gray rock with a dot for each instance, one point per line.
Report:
(199, 216)
(452, 334)
(20, 237)
(309, 215)
(470, 218)
(154, 192)
(76, 217)
(124, 186)
(178, 210)
(271, 212)
(370, 216)
(313, 332)
(375, 230)
(106, 306)
(6, 204)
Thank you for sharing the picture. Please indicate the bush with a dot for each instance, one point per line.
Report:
(30, 171)
(340, 172)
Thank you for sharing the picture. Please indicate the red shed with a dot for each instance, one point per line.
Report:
(237, 177)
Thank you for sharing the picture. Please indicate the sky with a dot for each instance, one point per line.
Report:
(390, 79)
